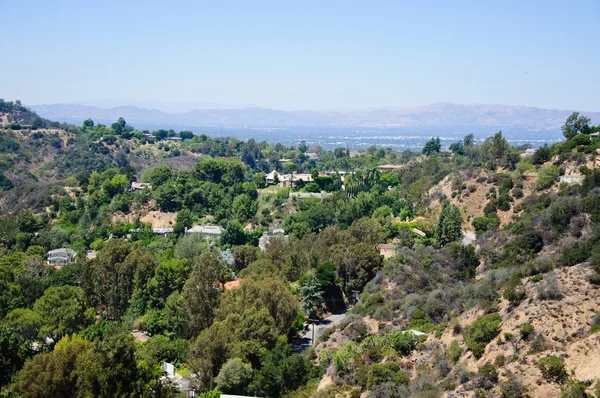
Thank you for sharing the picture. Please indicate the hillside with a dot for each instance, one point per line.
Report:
(123, 249)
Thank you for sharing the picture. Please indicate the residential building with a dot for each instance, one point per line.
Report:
(139, 186)
(386, 250)
(61, 256)
(164, 232)
(206, 231)
(312, 155)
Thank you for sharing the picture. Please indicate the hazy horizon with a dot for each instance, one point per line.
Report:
(310, 55)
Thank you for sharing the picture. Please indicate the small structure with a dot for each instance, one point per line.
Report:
(140, 336)
(206, 231)
(386, 250)
(90, 254)
(148, 135)
(385, 168)
(140, 186)
(528, 152)
(278, 231)
(173, 138)
(419, 232)
(570, 180)
(61, 256)
(595, 135)
(286, 180)
(312, 155)
(164, 232)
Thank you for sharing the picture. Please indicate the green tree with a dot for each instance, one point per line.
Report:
(157, 176)
(243, 208)
(449, 227)
(574, 125)
(312, 295)
(234, 376)
(432, 146)
(63, 310)
(169, 276)
(183, 220)
(14, 351)
(481, 332)
(201, 292)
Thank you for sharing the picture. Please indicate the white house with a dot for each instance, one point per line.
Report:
(139, 186)
(61, 256)
(164, 232)
(206, 231)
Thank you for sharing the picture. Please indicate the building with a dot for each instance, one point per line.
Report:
(286, 180)
(528, 152)
(386, 168)
(164, 232)
(595, 135)
(148, 136)
(173, 138)
(312, 155)
(206, 231)
(61, 256)
(386, 250)
(140, 186)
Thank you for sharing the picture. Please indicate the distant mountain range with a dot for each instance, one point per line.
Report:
(435, 115)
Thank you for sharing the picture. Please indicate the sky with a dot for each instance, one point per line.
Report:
(317, 55)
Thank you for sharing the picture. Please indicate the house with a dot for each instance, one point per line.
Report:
(148, 136)
(386, 168)
(312, 155)
(278, 231)
(286, 180)
(61, 256)
(386, 250)
(265, 240)
(206, 231)
(140, 186)
(90, 254)
(595, 135)
(164, 232)
(271, 177)
(173, 138)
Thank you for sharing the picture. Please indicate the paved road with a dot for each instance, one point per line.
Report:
(305, 341)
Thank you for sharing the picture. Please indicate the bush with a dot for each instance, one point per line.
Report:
(576, 254)
(514, 295)
(454, 352)
(404, 342)
(487, 377)
(386, 373)
(573, 389)
(595, 323)
(540, 265)
(481, 332)
(553, 368)
(547, 177)
(526, 330)
(595, 278)
(512, 388)
(482, 224)
(549, 290)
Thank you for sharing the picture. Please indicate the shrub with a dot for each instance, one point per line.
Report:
(454, 352)
(514, 295)
(512, 387)
(573, 389)
(553, 368)
(549, 289)
(404, 342)
(540, 265)
(482, 224)
(576, 254)
(386, 373)
(539, 344)
(481, 332)
(595, 323)
(487, 376)
(595, 279)
(526, 330)
(547, 176)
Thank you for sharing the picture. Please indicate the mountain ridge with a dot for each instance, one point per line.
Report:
(433, 115)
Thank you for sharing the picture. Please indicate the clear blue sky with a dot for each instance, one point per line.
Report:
(304, 54)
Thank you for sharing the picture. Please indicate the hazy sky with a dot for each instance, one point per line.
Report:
(303, 54)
